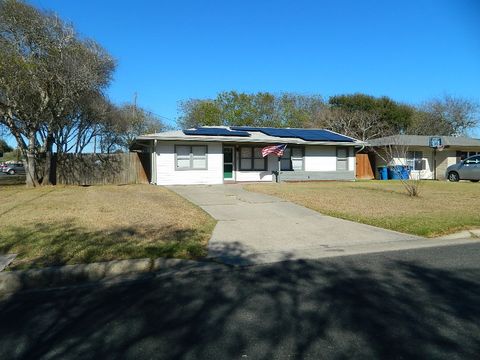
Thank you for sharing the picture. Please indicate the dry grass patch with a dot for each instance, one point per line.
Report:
(442, 207)
(67, 225)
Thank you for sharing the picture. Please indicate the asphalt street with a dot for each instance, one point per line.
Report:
(416, 304)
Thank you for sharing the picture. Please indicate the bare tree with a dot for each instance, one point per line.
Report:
(395, 155)
(447, 115)
(358, 124)
(123, 124)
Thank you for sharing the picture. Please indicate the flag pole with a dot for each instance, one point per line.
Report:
(279, 168)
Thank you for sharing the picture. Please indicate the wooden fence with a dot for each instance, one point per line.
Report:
(11, 179)
(364, 166)
(102, 169)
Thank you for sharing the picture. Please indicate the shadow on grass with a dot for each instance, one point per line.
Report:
(55, 244)
(293, 309)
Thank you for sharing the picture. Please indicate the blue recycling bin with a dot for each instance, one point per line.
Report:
(383, 172)
(395, 172)
(399, 172)
(405, 174)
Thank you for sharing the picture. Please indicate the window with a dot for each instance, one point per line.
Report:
(415, 160)
(251, 159)
(462, 155)
(292, 159)
(191, 157)
(342, 159)
(286, 160)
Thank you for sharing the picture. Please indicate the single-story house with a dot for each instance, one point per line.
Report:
(427, 156)
(217, 155)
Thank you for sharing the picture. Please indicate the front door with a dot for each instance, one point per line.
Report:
(228, 161)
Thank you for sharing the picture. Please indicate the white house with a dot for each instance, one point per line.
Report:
(217, 155)
(419, 153)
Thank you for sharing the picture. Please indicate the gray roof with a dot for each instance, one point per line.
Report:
(255, 137)
(420, 140)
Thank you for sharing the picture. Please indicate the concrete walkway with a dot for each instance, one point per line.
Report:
(255, 228)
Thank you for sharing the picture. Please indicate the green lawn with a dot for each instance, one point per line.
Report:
(442, 207)
(67, 225)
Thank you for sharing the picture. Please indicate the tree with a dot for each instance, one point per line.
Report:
(299, 110)
(196, 113)
(397, 116)
(123, 124)
(395, 154)
(424, 123)
(4, 147)
(447, 115)
(46, 70)
(242, 109)
(359, 124)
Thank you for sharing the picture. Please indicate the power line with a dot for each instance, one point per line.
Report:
(135, 96)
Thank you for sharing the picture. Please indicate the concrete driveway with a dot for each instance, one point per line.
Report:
(255, 228)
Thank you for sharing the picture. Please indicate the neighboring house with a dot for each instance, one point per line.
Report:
(425, 161)
(216, 155)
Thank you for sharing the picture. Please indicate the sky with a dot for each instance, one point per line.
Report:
(168, 51)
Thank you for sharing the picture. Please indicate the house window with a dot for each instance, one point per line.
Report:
(251, 159)
(292, 159)
(462, 155)
(342, 159)
(191, 157)
(415, 160)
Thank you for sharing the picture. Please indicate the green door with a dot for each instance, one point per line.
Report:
(228, 163)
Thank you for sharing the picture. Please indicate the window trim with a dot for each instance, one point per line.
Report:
(415, 159)
(345, 159)
(462, 155)
(302, 149)
(190, 168)
(252, 159)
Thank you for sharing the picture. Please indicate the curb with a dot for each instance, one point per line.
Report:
(465, 234)
(16, 281)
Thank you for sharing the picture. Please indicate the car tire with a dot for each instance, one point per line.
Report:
(11, 172)
(474, 180)
(453, 177)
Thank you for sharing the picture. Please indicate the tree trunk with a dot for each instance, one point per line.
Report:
(49, 175)
(32, 180)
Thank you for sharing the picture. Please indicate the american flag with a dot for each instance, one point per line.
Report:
(274, 149)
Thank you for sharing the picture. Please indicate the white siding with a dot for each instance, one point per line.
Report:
(168, 175)
(272, 165)
(320, 158)
(416, 174)
(452, 158)
(317, 158)
(351, 159)
(428, 157)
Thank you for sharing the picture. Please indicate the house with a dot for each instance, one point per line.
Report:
(427, 156)
(217, 155)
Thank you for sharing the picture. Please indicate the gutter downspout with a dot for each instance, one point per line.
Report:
(154, 163)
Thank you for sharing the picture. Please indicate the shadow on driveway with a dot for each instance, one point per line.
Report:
(388, 309)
